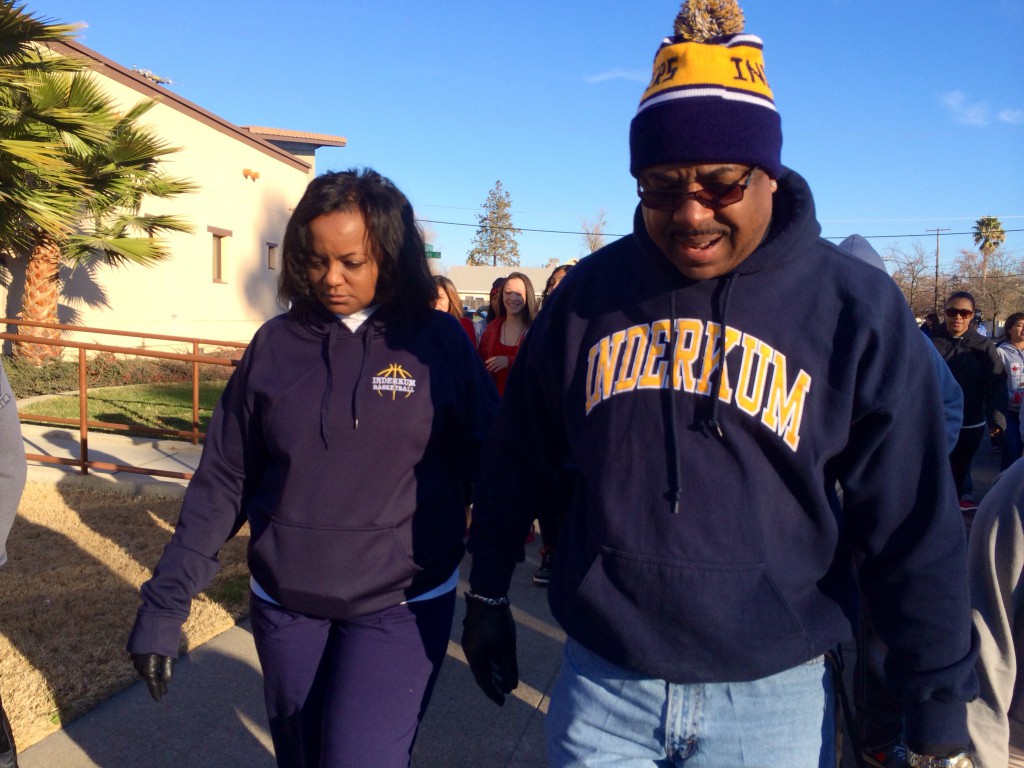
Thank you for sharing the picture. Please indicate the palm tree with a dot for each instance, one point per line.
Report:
(36, 180)
(84, 201)
(988, 236)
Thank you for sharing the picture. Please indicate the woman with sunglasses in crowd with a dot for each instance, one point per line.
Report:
(978, 369)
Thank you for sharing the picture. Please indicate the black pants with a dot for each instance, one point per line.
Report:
(8, 754)
(963, 454)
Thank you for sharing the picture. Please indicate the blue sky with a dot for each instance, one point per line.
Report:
(903, 116)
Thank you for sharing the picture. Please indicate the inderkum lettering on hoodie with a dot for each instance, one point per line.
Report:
(394, 379)
(637, 358)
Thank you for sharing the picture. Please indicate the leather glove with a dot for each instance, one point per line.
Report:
(155, 670)
(489, 642)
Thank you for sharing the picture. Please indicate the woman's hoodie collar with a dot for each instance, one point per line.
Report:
(326, 326)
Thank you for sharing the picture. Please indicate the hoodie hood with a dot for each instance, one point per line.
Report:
(855, 245)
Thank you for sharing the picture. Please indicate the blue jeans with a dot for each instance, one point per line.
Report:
(605, 716)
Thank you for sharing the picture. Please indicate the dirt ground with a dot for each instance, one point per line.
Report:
(69, 593)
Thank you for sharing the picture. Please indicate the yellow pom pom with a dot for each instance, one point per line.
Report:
(700, 20)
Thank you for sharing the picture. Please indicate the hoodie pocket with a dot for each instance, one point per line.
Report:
(341, 567)
(664, 614)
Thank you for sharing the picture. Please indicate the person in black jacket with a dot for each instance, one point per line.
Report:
(978, 369)
(346, 438)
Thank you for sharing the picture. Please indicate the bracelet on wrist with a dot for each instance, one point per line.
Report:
(492, 601)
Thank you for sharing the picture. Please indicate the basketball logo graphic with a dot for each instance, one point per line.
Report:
(394, 379)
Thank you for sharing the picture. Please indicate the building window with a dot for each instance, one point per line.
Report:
(219, 238)
(271, 255)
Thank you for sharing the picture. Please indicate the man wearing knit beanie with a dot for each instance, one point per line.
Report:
(713, 378)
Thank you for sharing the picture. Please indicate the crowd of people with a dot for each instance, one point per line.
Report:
(723, 501)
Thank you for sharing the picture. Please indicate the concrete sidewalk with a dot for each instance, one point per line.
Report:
(213, 714)
(149, 453)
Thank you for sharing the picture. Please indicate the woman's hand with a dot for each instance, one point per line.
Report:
(496, 363)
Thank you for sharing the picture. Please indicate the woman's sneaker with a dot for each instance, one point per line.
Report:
(543, 574)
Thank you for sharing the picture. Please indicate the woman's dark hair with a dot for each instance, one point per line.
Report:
(962, 295)
(551, 280)
(530, 310)
(404, 284)
(1011, 321)
(496, 286)
(454, 300)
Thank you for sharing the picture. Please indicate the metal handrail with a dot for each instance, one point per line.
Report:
(84, 423)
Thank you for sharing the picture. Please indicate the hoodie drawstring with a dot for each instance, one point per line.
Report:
(673, 425)
(674, 453)
(325, 402)
(367, 338)
(716, 383)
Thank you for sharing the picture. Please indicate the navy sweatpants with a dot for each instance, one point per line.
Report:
(349, 693)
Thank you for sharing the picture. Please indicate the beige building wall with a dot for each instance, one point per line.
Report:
(246, 190)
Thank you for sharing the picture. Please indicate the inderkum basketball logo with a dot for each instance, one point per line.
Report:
(394, 379)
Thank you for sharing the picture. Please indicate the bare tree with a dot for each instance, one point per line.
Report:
(593, 231)
(428, 232)
(912, 275)
(997, 281)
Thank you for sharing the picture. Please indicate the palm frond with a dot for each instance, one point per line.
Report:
(117, 251)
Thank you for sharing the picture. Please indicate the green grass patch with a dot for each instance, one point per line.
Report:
(164, 406)
(230, 591)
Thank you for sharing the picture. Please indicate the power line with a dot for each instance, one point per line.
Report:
(609, 234)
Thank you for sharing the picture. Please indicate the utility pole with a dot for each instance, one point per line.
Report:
(935, 304)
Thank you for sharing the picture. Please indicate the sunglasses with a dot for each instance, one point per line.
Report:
(713, 196)
(951, 312)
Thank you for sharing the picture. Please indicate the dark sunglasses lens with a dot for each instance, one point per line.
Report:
(710, 197)
(959, 313)
(723, 197)
(659, 201)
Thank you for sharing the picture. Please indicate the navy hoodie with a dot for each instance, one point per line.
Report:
(349, 454)
(705, 541)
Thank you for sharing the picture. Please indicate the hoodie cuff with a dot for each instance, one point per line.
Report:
(936, 728)
(154, 633)
(489, 576)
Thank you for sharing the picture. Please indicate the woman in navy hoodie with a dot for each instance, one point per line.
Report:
(345, 439)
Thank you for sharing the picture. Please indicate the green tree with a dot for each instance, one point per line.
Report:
(988, 236)
(80, 169)
(495, 240)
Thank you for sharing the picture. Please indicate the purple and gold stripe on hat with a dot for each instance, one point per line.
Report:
(730, 68)
(707, 103)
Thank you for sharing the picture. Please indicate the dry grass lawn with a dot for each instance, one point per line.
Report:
(69, 593)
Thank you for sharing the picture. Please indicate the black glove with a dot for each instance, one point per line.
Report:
(155, 670)
(489, 642)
